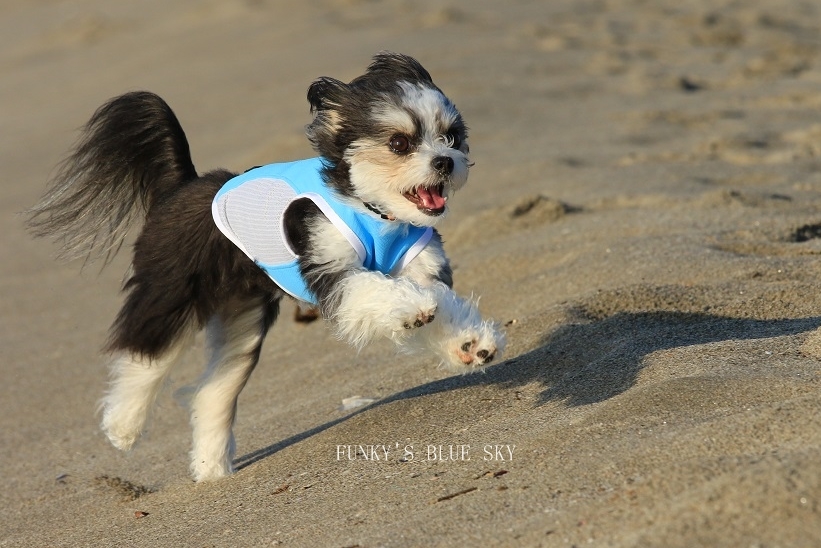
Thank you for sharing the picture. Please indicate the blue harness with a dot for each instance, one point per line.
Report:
(249, 211)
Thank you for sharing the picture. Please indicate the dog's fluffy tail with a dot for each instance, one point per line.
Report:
(131, 153)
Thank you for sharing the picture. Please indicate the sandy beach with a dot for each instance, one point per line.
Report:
(644, 218)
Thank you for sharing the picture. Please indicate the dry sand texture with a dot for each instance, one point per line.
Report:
(644, 215)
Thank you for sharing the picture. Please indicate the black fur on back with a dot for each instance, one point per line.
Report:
(185, 271)
(132, 159)
(131, 153)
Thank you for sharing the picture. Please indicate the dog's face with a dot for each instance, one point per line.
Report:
(392, 139)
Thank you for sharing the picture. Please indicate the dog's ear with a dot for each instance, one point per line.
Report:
(328, 98)
(327, 93)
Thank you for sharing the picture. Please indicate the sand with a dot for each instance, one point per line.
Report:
(644, 217)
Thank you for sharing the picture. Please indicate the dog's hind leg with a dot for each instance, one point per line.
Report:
(235, 338)
(135, 382)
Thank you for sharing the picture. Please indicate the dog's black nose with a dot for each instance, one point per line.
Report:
(443, 164)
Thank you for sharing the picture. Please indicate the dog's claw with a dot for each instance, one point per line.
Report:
(422, 318)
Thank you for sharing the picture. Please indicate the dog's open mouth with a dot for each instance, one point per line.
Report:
(428, 200)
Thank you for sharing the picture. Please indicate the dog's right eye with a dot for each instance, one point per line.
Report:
(399, 144)
(455, 139)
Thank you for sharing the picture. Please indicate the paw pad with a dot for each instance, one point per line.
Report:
(469, 355)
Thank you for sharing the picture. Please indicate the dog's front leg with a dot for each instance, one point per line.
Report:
(459, 337)
(363, 305)
(369, 305)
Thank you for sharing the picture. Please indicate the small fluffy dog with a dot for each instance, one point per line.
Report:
(350, 232)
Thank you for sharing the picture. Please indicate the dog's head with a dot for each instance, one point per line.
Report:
(392, 140)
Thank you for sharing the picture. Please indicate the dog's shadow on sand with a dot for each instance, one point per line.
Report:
(583, 363)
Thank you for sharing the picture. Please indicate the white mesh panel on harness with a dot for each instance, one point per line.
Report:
(252, 215)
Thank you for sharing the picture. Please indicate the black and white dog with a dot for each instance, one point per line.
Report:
(392, 150)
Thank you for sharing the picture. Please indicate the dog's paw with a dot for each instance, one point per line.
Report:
(122, 425)
(473, 349)
(472, 353)
(204, 470)
(212, 454)
(423, 317)
(121, 440)
(413, 307)
(374, 306)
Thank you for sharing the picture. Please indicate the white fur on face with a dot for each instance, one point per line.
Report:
(381, 176)
(430, 105)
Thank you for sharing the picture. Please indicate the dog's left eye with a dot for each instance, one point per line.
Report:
(399, 144)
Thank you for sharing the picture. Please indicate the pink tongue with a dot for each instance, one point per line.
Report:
(430, 197)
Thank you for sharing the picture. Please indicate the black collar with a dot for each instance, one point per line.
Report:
(379, 212)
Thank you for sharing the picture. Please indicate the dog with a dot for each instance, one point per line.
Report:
(350, 232)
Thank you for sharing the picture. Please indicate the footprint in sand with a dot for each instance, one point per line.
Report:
(528, 213)
(802, 240)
